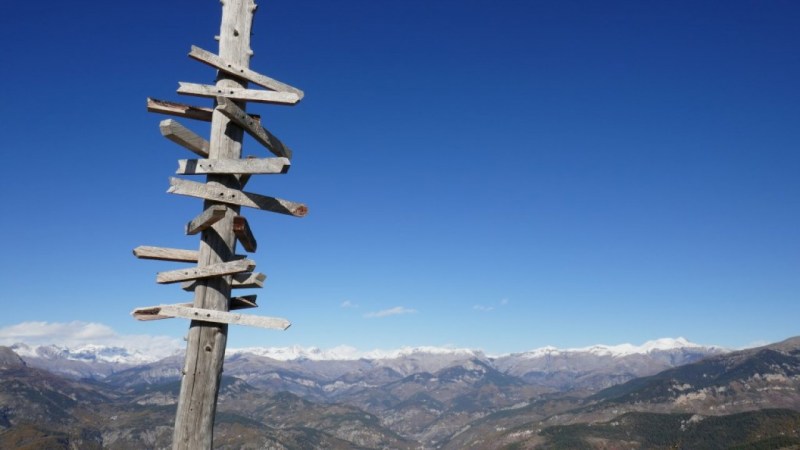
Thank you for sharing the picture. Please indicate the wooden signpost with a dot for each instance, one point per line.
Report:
(218, 268)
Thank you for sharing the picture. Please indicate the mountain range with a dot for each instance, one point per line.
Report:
(409, 398)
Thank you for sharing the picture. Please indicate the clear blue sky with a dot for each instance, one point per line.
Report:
(508, 174)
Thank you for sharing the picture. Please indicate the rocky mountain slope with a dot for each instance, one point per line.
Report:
(421, 398)
(756, 386)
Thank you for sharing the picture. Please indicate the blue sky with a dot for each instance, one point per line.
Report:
(494, 175)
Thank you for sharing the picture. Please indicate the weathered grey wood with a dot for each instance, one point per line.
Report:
(252, 127)
(206, 341)
(243, 302)
(233, 166)
(152, 312)
(248, 95)
(212, 270)
(244, 280)
(245, 177)
(165, 254)
(235, 197)
(207, 218)
(242, 72)
(244, 234)
(186, 111)
(179, 109)
(209, 315)
(184, 137)
(171, 254)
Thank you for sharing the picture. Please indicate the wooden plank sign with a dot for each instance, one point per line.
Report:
(165, 254)
(244, 280)
(235, 197)
(236, 303)
(155, 105)
(244, 234)
(209, 315)
(250, 95)
(233, 166)
(242, 72)
(211, 270)
(184, 137)
(179, 109)
(207, 218)
(252, 127)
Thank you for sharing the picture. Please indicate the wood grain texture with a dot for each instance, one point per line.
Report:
(208, 271)
(179, 109)
(184, 137)
(252, 127)
(209, 315)
(153, 312)
(235, 197)
(248, 166)
(165, 254)
(247, 95)
(242, 72)
(210, 216)
(244, 234)
(206, 341)
(201, 113)
(244, 280)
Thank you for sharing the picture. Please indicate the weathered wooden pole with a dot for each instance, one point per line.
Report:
(205, 349)
(218, 268)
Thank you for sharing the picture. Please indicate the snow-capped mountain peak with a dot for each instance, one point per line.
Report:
(347, 353)
(86, 353)
(663, 344)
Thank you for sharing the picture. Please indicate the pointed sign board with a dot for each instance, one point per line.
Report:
(211, 270)
(250, 95)
(240, 71)
(250, 166)
(235, 197)
(209, 315)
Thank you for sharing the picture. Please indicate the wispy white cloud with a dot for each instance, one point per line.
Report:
(348, 304)
(76, 334)
(487, 308)
(397, 310)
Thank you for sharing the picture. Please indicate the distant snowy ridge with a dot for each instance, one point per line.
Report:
(347, 353)
(92, 353)
(663, 344)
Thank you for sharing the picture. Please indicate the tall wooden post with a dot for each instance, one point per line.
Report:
(205, 348)
(219, 269)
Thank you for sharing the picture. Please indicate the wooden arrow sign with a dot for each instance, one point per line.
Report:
(186, 111)
(240, 71)
(179, 109)
(235, 197)
(244, 280)
(209, 315)
(249, 95)
(165, 254)
(236, 303)
(170, 254)
(184, 137)
(209, 217)
(252, 127)
(233, 166)
(211, 270)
